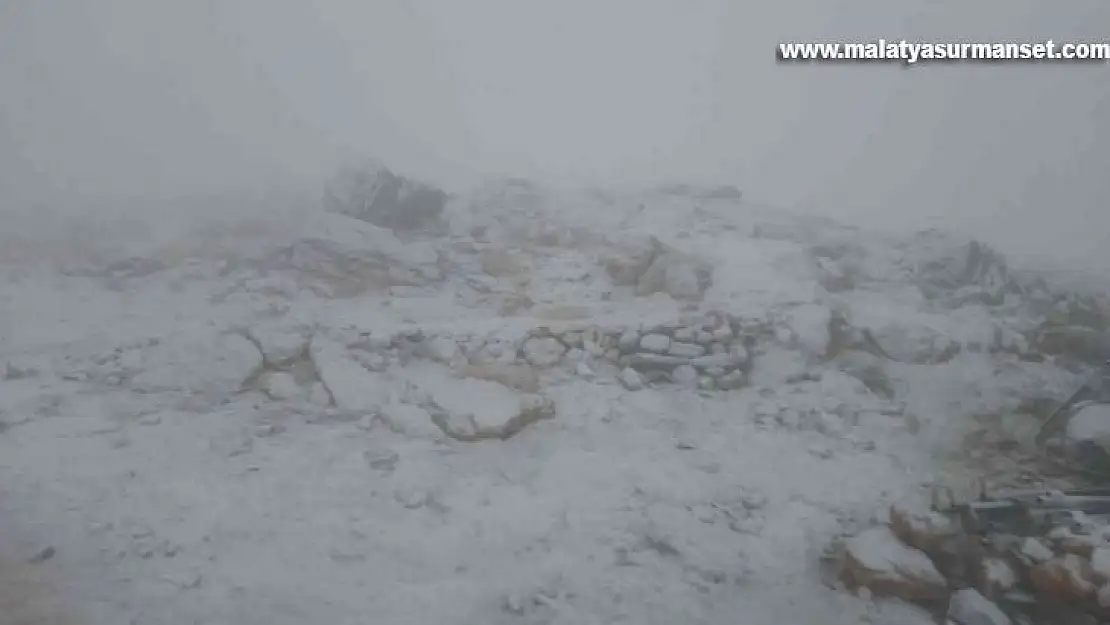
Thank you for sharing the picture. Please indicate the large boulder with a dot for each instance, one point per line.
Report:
(374, 194)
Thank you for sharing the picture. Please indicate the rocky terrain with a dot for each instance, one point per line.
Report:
(525, 406)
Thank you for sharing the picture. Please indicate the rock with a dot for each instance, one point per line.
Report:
(1100, 564)
(443, 349)
(280, 386)
(869, 370)
(968, 607)
(543, 352)
(1035, 551)
(410, 420)
(911, 342)
(714, 361)
(686, 335)
(628, 341)
(1079, 342)
(995, 577)
(686, 350)
(632, 260)
(809, 328)
(517, 377)
(648, 362)
(732, 381)
(656, 343)
(351, 386)
(470, 410)
(677, 274)
(631, 379)
(685, 375)
(921, 528)
(374, 194)
(1063, 578)
(876, 560)
(1087, 437)
(211, 365)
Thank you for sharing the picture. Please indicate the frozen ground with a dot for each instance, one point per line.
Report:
(237, 423)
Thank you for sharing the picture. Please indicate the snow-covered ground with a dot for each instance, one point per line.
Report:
(256, 419)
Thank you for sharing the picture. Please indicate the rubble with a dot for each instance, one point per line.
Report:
(1021, 549)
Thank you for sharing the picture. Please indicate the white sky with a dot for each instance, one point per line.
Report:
(164, 97)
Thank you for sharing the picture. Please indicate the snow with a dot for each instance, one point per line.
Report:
(163, 449)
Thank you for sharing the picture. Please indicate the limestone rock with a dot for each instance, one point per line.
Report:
(685, 375)
(875, 559)
(968, 607)
(1087, 438)
(680, 275)
(995, 577)
(543, 351)
(517, 377)
(686, 350)
(631, 379)
(1064, 578)
(208, 364)
(656, 343)
(808, 326)
(374, 194)
(919, 527)
(632, 260)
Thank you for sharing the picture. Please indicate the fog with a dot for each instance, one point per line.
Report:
(159, 99)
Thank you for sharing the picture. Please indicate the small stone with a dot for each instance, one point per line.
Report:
(919, 527)
(686, 335)
(968, 607)
(707, 383)
(739, 352)
(686, 350)
(732, 381)
(381, 459)
(655, 361)
(685, 375)
(715, 372)
(995, 577)
(628, 341)
(722, 334)
(613, 354)
(1100, 564)
(722, 361)
(43, 555)
(1063, 578)
(703, 338)
(543, 352)
(656, 343)
(443, 349)
(718, 348)
(631, 379)
(1036, 551)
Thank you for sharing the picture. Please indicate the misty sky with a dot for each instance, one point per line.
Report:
(161, 97)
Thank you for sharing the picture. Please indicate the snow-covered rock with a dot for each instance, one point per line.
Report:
(968, 607)
(877, 560)
(376, 195)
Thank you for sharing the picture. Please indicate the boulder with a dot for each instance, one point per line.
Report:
(875, 559)
(374, 194)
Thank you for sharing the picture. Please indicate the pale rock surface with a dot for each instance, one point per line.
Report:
(875, 559)
(968, 607)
